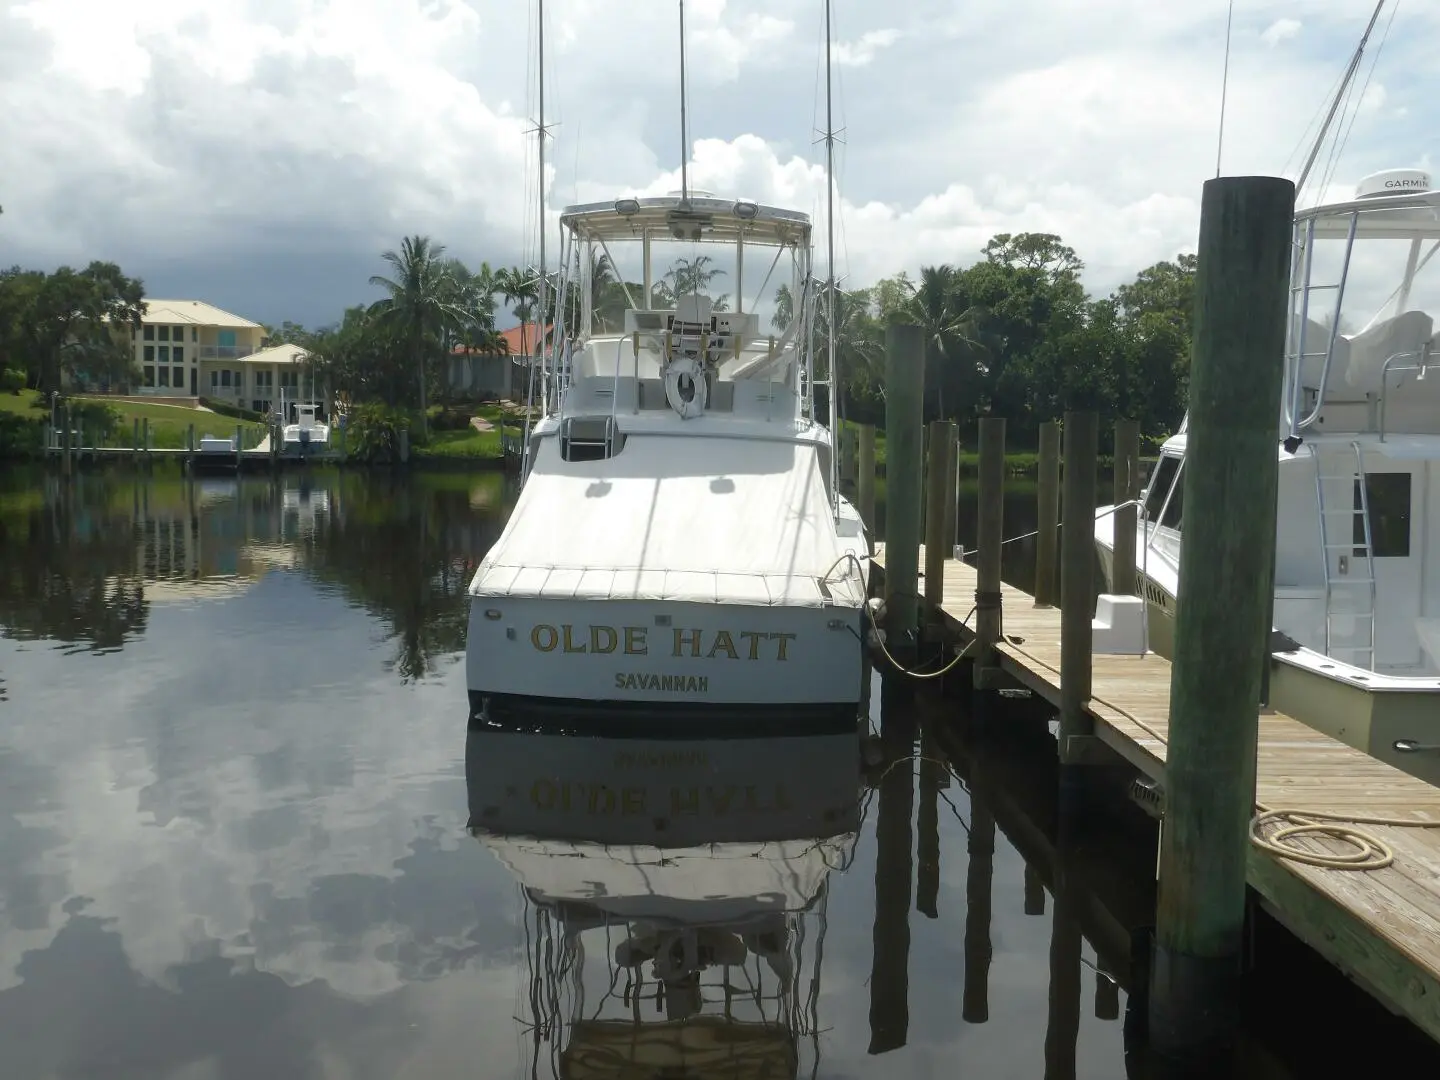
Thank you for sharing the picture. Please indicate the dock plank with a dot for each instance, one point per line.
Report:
(1382, 927)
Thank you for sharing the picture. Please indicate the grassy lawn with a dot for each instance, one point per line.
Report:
(169, 424)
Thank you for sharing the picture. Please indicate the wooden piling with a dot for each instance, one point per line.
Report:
(937, 479)
(979, 887)
(1221, 629)
(894, 869)
(1047, 497)
(904, 389)
(145, 439)
(190, 449)
(1062, 1026)
(1077, 598)
(404, 445)
(990, 540)
(1034, 903)
(1126, 489)
(69, 442)
(866, 481)
(848, 466)
(135, 442)
(927, 826)
(952, 495)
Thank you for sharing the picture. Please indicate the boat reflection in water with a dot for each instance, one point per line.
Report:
(675, 893)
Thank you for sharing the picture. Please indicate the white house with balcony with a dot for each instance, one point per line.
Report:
(273, 379)
(180, 341)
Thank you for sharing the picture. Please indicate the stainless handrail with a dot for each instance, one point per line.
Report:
(1385, 369)
(1334, 329)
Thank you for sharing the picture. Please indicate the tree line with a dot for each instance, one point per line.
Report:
(1014, 333)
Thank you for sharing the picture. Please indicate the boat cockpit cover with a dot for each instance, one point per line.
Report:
(682, 518)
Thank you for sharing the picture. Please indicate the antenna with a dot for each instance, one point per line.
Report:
(834, 383)
(1339, 96)
(684, 137)
(1224, 88)
(540, 293)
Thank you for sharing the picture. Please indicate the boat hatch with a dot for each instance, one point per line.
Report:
(590, 438)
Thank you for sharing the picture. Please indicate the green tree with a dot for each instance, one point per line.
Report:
(421, 305)
(75, 323)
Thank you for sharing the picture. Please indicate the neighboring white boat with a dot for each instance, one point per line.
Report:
(670, 870)
(679, 540)
(308, 432)
(1357, 547)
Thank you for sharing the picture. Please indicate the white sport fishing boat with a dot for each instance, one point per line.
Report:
(1357, 545)
(658, 876)
(308, 432)
(679, 540)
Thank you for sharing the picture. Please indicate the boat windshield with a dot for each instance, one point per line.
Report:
(1365, 303)
(628, 266)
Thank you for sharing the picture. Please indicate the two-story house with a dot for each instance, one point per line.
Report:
(191, 349)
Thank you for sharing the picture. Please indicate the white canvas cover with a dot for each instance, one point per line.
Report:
(685, 518)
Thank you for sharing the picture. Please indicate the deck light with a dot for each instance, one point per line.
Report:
(627, 207)
(745, 210)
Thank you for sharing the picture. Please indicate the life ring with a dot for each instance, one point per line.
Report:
(685, 387)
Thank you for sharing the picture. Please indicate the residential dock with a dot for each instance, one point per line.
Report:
(1380, 927)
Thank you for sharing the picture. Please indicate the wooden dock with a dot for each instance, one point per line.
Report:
(1380, 927)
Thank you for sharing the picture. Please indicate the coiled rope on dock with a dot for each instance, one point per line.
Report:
(1369, 852)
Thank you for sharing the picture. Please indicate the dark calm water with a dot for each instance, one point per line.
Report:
(235, 785)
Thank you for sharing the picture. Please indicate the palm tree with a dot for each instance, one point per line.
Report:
(519, 290)
(421, 303)
(933, 304)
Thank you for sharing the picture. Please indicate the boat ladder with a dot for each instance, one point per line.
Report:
(1344, 509)
(589, 438)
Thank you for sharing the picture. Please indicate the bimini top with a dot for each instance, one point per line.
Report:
(700, 217)
(1399, 204)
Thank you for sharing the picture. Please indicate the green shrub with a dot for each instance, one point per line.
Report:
(95, 418)
(233, 411)
(449, 418)
(12, 380)
(21, 436)
(373, 432)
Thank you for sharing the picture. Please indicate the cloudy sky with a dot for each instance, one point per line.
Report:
(259, 154)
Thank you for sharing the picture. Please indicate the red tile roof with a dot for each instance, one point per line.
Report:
(521, 339)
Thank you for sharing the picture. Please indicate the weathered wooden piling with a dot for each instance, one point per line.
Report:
(1077, 602)
(1126, 489)
(239, 445)
(1034, 903)
(952, 496)
(865, 482)
(990, 531)
(190, 448)
(69, 442)
(1221, 629)
(894, 867)
(135, 442)
(937, 478)
(1062, 1026)
(1047, 530)
(927, 826)
(145, 439)
(979, 888)
(904, 388)
(848, 464)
